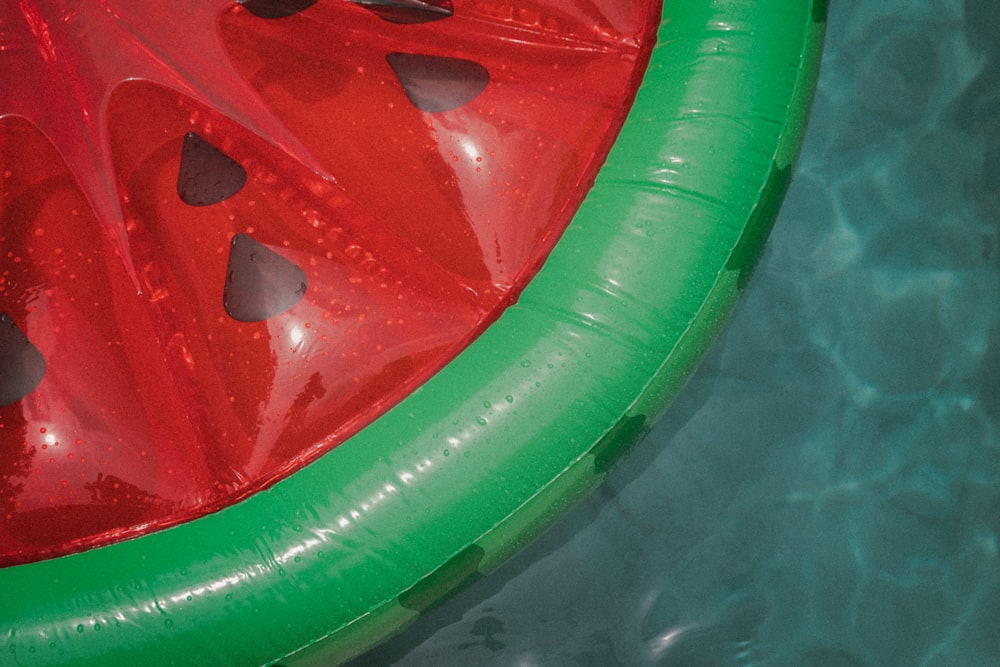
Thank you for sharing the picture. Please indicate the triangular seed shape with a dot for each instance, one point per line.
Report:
(260, 283)
(207, 175)
(276, 9)
(409, 11)
(22, 366)
(436, 83)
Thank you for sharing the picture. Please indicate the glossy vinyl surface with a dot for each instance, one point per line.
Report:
(521, 423)
(233, 235)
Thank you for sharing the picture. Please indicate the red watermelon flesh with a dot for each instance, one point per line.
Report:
(231, 235)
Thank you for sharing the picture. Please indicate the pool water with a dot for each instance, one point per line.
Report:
(826, 489)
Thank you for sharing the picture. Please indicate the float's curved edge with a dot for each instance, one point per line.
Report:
(486, 454)
(521, 526)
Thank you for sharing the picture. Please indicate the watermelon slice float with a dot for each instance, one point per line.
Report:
(294, 321)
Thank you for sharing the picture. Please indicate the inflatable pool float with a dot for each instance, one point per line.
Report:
(314, 311)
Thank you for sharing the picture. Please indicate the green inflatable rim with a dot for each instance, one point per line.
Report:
(491, 450)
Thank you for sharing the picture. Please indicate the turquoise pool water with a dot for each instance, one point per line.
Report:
(826, 489)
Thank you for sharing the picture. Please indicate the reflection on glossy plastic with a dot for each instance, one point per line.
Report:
(227, 253)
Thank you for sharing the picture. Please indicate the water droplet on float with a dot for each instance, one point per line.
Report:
(508, 398)
(446, 453)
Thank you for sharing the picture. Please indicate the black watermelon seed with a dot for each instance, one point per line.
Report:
(437, 83)
(260, 283)
(22, 366)
(207, 175)
(409, 11)
(276, 9)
